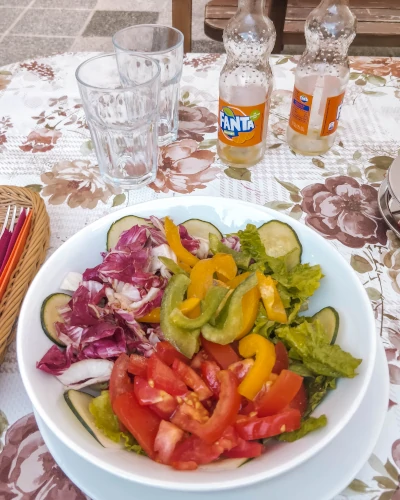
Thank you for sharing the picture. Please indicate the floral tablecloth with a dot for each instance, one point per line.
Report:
(45, 144)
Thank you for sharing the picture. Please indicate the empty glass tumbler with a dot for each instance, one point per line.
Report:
(120, 99)
(164, 44)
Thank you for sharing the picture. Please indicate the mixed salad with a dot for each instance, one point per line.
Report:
(193, 348)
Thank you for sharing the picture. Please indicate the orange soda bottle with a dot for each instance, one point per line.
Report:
(245, 85)
(321, 78)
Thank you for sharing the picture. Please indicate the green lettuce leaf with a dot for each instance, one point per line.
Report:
(311, 345)
(309, 425)
(301, 370)
(301, 282)
(316, 391)
(263, 326)
(250, 243)
(107, 422)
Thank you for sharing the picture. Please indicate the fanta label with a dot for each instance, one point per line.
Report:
(300, 112)
(332, 114)
(241, 126)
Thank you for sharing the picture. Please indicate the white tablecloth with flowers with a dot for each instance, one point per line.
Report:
(45, 144)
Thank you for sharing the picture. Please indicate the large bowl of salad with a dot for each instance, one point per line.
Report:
(196, 343)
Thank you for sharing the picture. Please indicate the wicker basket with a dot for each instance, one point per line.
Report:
(31, 259)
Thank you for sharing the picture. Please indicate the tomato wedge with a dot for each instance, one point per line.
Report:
(209, 372)
(245, 449)
(168, 436)
(141, 422)
(241, 368)
(280, 394)
(119, 380)
(251, 428)
(167, 353)
(191, 379)
(193, 449)
(164, 378)
(300, 401)
(282, 358)
(184, 465)
(198, 359)
(145, 394)
(137, 365)
(224, 355)
(223, 416)
(229, 438)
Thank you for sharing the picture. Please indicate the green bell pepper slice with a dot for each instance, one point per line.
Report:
(234, 315)
(209, 306)
(172, 266)
(185, 341)
(242, 259)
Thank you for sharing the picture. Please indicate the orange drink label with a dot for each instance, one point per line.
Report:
(332, 114)
(300, 112)
(241, 126)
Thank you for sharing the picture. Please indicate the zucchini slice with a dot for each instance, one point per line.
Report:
(49, 315)
(201, 229)
(78, 403)
(279, 239)
(329, 319)
(225, 464)
(121, 225)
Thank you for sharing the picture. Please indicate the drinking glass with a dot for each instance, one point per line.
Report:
(121, 107)
(164, 44)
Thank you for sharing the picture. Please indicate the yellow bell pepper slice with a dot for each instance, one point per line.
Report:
(271, 299)
(174, 241)
(186, 307)
(249, 305)
(264, 352)
(225, 266)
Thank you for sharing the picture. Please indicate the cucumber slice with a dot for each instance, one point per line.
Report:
(78, 403)
(49, 315)
(329, 319)
(121, 225)
(226, 464)
(201, 229)
(279, 239)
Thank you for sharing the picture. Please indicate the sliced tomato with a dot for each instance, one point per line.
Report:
(224, 355)
(282, 358)
(300, 401)
(191, 379)
(229, 438)
(167, 353)
(193, 449)
(192, 407)
(168, 436)
(145, 394)
(280, 394)
(184, 465)
(120, 381)
(209, 371)
(223, 416)
(241, 368)
(165, 408)
(137, 365)
(251, 428)
(164, 378)
(198, 359)
(141, 422)
(245, 449)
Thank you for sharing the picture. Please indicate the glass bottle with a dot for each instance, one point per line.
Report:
(245, 85)
(321, 77)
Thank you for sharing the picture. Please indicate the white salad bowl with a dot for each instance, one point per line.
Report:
(340, 288)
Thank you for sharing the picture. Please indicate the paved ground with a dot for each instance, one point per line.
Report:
(30, 28)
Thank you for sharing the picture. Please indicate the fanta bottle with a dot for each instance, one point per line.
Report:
(245, 85)
(321, 78)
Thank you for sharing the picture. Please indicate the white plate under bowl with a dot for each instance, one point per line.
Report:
(343, 458)
(340, 288)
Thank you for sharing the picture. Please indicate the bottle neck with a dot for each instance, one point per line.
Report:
(251, 6)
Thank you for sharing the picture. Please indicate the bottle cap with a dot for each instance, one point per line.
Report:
(389, 197)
